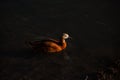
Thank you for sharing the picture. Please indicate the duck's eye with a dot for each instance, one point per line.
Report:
(66, 36)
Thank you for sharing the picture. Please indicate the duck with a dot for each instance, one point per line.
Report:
(50, 45)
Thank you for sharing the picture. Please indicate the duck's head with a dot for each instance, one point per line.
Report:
(65, 36)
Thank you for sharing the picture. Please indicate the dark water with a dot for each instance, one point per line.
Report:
(93, 25)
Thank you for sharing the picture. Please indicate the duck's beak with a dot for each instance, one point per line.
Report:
(70, 37)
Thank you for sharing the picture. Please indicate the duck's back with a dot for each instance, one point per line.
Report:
(47, 45)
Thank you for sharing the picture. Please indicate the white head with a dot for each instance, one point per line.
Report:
(65, 36)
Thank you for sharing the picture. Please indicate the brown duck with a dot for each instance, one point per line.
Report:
(50, 45)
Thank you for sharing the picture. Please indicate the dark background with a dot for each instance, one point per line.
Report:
(93, 25)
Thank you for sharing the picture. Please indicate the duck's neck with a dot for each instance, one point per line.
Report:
(63, 43)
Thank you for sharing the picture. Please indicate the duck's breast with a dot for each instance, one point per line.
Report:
(53, 47)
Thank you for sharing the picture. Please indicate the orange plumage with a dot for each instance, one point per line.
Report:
(50, 45)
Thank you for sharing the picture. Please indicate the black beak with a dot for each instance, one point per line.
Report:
(70, 37)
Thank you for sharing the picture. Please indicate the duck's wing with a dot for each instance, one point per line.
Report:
(53, 40)
(39, 42)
